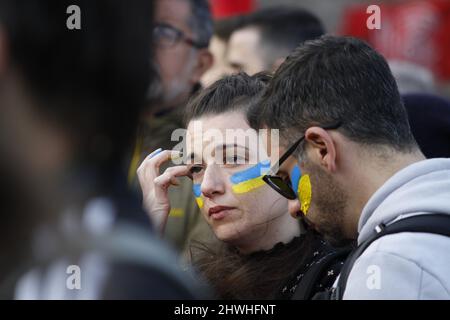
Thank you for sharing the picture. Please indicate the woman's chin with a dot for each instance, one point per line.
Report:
(226, 234)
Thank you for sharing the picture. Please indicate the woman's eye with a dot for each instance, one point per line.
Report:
(195, 169)
(235, 160)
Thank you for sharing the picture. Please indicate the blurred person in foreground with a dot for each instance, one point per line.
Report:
(69, 104)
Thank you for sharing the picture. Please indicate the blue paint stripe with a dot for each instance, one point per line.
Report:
(295, 178)
(196, 187)
(251, 173)
(154, 153)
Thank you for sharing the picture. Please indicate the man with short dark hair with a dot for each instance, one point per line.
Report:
(266, 37)
(361, 167)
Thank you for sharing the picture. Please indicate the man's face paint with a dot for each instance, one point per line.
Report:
(295, 178)
(304, 193)
(302, 185)
(251, 178)
(196, 188)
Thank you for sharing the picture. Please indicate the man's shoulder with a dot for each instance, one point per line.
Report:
(402, 266)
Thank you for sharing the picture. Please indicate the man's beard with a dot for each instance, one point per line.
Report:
(328, 203)
(161, 97)
(175, 92)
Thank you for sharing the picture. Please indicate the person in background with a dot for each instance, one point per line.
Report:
(228, 16)
(429, 118)
(181, 33)
(69, 105)
(266, 37)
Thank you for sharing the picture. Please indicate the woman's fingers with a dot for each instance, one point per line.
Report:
(155, 159)
(149, 168)
(163, 182)
(155, 186)
(169, 177)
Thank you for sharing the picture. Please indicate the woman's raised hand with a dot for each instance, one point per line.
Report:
(155, 186)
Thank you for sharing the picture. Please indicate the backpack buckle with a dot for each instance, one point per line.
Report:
(380, 227)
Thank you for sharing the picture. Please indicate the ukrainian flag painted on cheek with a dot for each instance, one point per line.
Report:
(302, 186)
(196, 188)
(295, 178)
(250, 179)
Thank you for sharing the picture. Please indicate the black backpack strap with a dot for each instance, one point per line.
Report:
(426, 223)
(306, 286)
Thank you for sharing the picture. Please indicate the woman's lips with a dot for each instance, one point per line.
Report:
(219, 212)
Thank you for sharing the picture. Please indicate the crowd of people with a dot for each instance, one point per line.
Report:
(335, 183)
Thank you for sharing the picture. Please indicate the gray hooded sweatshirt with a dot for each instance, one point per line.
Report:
(405, 265)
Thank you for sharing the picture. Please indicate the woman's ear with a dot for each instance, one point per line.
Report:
(323, 148)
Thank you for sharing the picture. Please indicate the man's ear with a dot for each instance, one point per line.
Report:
(294, 208)
(205, 60)
(322, 146)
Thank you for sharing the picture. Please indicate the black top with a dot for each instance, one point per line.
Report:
(309, 250)
(322, 250)
(271, 274)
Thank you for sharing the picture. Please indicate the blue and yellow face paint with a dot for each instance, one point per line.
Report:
(196, 188)
(250, 179)
(304, 193)
(295, 178)
(302, 185)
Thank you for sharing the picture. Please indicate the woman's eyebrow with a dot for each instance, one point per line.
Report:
(231, 145)
(193, 156)
(243, 151)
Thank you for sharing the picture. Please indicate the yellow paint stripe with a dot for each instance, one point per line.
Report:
(199, 202)
(176, 212)
(249, 185)
(304, 193)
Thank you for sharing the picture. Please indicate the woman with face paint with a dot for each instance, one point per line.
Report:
(263, 251)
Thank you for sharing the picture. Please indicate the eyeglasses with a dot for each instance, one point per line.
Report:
(168, 36)
(279, 184)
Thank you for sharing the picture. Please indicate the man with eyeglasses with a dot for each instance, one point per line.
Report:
(181, 33)
(362, 175)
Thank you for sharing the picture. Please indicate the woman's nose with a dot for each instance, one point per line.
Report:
(294, 207)
(212, 183)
